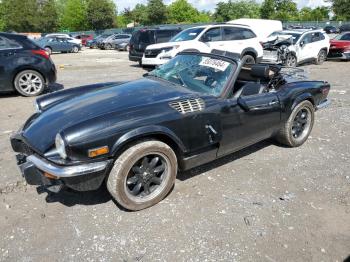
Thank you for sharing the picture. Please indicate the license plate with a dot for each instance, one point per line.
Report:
(270, 54)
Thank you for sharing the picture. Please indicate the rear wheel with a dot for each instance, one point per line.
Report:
(75, 49)
(248, 60)
(108, 46)
(322, 55)
(143, 175)
(298, 127)
(29, 83)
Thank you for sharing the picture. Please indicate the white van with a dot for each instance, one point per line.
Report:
(261, 27)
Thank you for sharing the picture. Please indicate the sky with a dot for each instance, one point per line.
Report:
(209, 5)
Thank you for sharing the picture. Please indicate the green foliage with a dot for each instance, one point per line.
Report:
(238, 9)
(101, 14)
(181, 11)
(20, 15)
(48, 16)
(140, 14)
(156, 12)
(2, 19)
(75, 16)
(286, 10)
(267, 9)
(341, 9)
(317, 14)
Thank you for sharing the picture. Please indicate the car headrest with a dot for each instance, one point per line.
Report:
(260, 71)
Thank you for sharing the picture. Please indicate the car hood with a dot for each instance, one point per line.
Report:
(41, 132)
(167, 44)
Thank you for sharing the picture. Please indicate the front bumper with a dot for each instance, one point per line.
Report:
(41, 172)
(323, 104)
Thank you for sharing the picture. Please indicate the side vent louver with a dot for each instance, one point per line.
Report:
(188, 105)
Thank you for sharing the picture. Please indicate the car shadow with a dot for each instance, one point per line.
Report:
(52, 88)
(71, 198)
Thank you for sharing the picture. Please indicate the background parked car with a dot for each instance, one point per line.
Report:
(145, 37)
(340, 47)
(65, 36)
(234, 38)
(98, 40)
(84, 38)
(122, 46)
(56, 44)
(24, 66)
(329, 29)
(304, 45)
(113, 40)
(344, 28)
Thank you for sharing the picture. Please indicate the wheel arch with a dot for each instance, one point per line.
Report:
(249, 51)
(301, 98)
(23, 68)
(159, 133)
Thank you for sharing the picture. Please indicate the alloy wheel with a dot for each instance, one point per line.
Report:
(147, 175)
(301, 123)
(30, 83)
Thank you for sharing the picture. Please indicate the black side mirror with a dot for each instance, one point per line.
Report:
(302, 43)
(205, 39)
(241, 102)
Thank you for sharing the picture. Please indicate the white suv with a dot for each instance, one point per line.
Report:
(233, 38)
(301, 46)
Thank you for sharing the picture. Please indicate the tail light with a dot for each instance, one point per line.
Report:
(42, 53)
(325, 89)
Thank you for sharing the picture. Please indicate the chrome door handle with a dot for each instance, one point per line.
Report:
(275, 102)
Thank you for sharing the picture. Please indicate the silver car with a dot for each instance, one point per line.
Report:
(113, 40)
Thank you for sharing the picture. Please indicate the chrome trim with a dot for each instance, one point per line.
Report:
(66, 171)
(324, 104)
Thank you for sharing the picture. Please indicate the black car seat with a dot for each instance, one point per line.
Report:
(258, 72)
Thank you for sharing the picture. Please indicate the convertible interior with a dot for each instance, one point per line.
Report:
(254, 80)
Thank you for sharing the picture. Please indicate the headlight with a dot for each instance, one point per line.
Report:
(60, 146)
(37, 107)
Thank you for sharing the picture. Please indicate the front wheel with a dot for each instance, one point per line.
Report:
(75, 49)
(298, 127)
(143, 175)
(291, 60)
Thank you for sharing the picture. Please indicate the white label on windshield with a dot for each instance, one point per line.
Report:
(214, 63)
(192, 34)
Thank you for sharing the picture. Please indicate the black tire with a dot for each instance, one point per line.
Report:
(321, 57)
(29, 83)
(48, 50)
(140, 63)
(290, 135)
(108, 46)
(248, 60)
(123, 179)
(75, 49)
(291, 60)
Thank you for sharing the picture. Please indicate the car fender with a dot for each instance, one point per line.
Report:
(147, 131)
(249, 50)
(302, 97)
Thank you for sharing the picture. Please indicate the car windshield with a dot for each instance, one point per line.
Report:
(187, 35)
(343, 37)
(197, 72)
(295, 36)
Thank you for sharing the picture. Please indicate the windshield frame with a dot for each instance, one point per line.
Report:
(230, 80)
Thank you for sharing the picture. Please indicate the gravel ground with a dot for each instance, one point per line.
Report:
(265, 203)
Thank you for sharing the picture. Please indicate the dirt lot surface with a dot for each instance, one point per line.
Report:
(265, 203)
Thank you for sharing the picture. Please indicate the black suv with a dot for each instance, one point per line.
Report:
(145, 37)
(24, 66)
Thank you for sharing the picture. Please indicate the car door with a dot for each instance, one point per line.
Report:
(212, 39)
(8, 53)
(305, 47)
(236, 39)
(247, 120)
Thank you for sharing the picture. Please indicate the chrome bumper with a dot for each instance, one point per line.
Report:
(324, 104)
(66, 171)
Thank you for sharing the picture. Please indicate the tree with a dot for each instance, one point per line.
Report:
(74, 17)
(267, 9)
(156, 12)
(20, 15)
(101, 14)
(140, 14)
(286, 10)
(341, 9)
(234, 10)
(2, 19)
(48, 16)
(181, 11)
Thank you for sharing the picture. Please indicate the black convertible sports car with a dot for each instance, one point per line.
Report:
(137, 135)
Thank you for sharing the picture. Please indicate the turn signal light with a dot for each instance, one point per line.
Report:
(50, 176)
(98, 151)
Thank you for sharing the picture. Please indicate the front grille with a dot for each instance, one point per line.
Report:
(152, 53)
(188, 105)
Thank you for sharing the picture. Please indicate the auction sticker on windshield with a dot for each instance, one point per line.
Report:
(214, 63)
